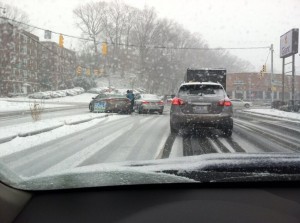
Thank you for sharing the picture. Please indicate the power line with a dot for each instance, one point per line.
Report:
(139, 46)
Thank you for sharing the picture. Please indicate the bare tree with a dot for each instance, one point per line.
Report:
(90, 18)
(16, 15)
(158, 50)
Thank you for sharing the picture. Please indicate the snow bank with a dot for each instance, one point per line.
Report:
(82, 98)
(276, 113)
(23, 143)
(6, 106)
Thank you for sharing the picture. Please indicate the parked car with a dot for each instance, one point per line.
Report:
(71, 92)
(110, 103)
(53, 94)
(78, 90)
(39, 95)
(168, 99)
(61, 93)
(148, 103)
(290, 107)
(277, 104)
(240, 104)
(201, 105)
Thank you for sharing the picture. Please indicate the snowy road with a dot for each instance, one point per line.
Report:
(147, 137)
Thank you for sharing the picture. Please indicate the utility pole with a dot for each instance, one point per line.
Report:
(293, 80)
(272, 51)
(283, 64)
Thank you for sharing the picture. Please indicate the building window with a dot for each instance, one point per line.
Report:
(24, 49)
(13, 59)
(25, 62)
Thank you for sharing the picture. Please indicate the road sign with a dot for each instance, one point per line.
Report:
(289, 43)
(47, 34)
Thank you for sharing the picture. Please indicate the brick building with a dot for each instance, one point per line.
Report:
(249, 86)
(28, 65)
(19, 53)
(57, 66)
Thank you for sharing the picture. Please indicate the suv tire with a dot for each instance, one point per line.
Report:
(173, 129)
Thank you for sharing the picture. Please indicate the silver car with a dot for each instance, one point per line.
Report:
(240, 104)
(201, 105)
(148, 103)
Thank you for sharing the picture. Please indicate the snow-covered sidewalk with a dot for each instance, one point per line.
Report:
(33, 128)
(8, 106)
(276, 113)
(82, 98)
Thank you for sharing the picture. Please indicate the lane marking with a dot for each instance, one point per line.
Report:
(216, 147)
(177, 148)
(87, 152)
(227, 145)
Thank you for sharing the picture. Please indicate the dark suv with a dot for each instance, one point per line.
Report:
(201, 105)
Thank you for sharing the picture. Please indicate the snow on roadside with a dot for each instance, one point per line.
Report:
(6, 106)
(275, 112)
(19, 144)
(81, 98)
(47, 123)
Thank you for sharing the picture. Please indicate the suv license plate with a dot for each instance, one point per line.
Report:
(200, 109)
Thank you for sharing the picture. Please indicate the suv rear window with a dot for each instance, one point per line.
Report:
(201, 89)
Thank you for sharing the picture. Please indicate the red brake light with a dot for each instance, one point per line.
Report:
(177, 101)
(224, 103)
(145, 102)
(160, 103)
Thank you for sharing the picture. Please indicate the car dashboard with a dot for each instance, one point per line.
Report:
(220, 202)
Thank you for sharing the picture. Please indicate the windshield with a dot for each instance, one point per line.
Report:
(120, 92)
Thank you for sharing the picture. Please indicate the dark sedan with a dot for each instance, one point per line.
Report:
(110, 103)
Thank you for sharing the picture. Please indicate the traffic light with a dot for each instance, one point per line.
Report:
(104, 49)
(264, 69)
(61, 41)
(78, 70)
(88, 72)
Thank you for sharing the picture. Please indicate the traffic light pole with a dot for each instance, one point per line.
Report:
(282, 95)
(272, 93)
(293, 79)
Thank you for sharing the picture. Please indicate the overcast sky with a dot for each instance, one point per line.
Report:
(222, 23)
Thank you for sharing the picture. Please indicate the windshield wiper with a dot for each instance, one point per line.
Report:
(245, 170)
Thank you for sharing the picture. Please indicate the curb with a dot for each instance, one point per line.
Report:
(271, 116)
(78, 121)
(45, 110)
(25, 134)
(39, 131)
(8, 138)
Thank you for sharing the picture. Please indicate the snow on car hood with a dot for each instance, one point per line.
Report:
(163, 171)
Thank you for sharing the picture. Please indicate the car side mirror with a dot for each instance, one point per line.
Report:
(93, 98)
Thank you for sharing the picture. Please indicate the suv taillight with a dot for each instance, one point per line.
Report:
(224, 103)
(177, 101)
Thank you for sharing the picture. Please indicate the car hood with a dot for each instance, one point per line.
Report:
(210, 168)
